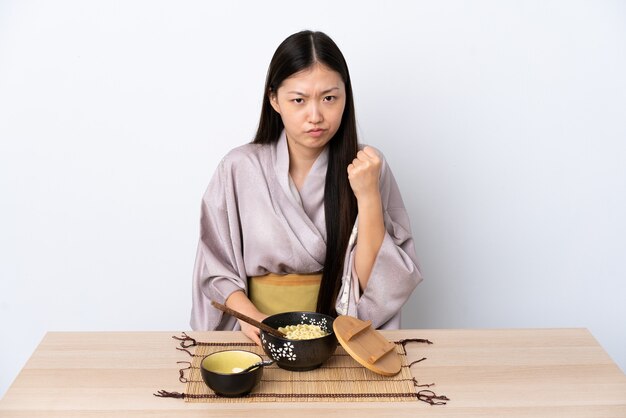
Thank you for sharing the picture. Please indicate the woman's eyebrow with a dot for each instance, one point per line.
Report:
(306, 95)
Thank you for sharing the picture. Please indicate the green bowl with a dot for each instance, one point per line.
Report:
(220, 371)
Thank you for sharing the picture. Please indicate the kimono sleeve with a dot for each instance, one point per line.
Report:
(219, 268)
(395, 272)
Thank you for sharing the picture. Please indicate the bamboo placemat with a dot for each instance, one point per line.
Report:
(339, 379)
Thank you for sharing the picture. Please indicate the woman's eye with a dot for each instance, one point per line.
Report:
(298, 100)
(329, 98)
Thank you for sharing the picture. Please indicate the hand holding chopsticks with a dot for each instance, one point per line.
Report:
(247, 319)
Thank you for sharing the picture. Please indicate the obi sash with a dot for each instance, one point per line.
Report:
(276, 293)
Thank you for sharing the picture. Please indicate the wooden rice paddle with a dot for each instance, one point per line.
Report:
(249, 320)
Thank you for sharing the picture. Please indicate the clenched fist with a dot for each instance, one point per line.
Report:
(364, 173)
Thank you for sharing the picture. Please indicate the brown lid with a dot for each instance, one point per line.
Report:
(366, 345)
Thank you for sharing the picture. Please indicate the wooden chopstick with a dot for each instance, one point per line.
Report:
(249, 320)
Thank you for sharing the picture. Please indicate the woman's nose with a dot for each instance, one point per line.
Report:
(315, 115)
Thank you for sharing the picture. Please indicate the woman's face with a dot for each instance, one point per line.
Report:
(311, 104)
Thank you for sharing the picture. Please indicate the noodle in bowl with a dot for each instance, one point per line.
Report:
(302, 332)
(310, 340)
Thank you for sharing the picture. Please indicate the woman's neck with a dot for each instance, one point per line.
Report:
(300, 163)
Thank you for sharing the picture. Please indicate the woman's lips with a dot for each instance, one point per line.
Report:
(316, 133)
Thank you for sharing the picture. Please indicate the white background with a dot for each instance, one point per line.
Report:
(503, 121)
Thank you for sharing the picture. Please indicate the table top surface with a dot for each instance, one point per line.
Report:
(486, 373)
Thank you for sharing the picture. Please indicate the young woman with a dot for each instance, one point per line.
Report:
(279, 229)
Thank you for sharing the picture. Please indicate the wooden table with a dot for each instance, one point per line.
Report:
(485, 373)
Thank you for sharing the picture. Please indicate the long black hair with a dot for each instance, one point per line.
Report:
(299, 52)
